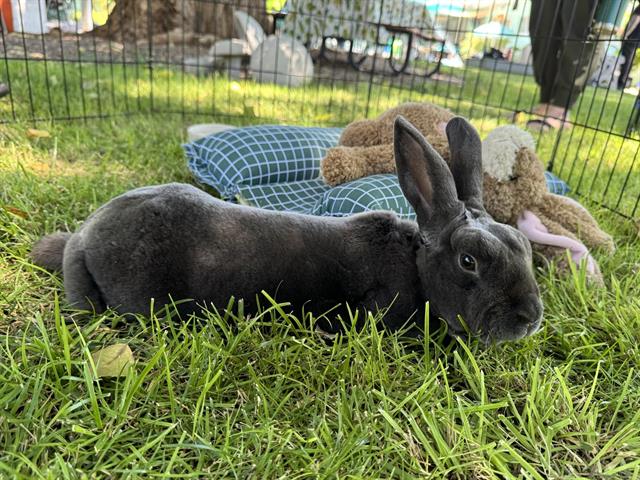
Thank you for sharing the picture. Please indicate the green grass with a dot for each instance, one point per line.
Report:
(273, 400)
(594, 157)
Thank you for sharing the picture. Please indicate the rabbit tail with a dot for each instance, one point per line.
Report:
(48, 252)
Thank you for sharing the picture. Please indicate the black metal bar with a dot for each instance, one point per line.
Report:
(407, 57)
(7, 72)
(150, 48)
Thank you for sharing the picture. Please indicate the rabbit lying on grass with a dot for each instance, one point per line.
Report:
(176, 242)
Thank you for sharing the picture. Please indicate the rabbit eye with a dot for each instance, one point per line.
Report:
(467, 262)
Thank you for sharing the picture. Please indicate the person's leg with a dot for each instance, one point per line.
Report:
(577, 54)
(544, 30)
(628, 52)
(545, 27)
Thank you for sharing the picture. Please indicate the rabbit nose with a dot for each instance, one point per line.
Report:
(529, 311)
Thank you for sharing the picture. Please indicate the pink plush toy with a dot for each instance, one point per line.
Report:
(529, 224)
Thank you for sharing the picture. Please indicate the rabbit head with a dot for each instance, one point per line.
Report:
(473, 270)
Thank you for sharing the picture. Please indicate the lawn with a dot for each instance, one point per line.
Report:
(273, 399)
(595, 156)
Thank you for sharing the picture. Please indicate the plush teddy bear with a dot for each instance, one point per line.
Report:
(515, 190)
(366, 146)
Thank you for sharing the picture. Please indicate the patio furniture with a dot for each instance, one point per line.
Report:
(412, 32)
(366, 27)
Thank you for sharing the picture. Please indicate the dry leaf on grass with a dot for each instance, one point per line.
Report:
(113, 361)
(16, 211)
(35, 133)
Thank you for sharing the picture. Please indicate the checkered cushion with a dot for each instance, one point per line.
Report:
(301, 197)
(277, 168)
(376, 192)
(555, 185)
(259, 155)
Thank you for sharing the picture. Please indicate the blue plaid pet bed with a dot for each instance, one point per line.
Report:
(278, 168)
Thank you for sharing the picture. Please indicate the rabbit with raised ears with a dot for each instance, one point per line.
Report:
(175, 242)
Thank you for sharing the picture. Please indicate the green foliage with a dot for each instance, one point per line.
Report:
(274, 5)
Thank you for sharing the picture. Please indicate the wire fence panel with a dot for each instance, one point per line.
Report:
(330, 62)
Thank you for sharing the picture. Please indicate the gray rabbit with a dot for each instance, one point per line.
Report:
(173, 242)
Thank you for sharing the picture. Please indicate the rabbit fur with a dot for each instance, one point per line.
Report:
(176, 242)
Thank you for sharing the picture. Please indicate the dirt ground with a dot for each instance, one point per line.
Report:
(178, 49)
(89, 47)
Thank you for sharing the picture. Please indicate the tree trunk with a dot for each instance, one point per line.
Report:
(211, 18)
(132, 20)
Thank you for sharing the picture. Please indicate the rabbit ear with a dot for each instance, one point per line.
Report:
(466, 161)
(424, 177)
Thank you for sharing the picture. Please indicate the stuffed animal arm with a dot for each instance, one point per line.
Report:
(533, 228)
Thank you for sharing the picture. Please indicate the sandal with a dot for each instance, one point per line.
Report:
(547, 124)
(540, 125)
